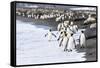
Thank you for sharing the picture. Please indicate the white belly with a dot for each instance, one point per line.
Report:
(82, 40)
(65, 40)
(49, 36)
(71, 44)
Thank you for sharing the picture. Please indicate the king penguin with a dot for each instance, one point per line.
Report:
(82, 39)
(71, 43)
(49, 35)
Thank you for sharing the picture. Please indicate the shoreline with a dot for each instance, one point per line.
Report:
(91, 52)
(91, 41)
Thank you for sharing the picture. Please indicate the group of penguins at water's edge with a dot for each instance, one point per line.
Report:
(66, 38)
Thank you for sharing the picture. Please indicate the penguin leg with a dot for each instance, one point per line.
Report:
(60, 44)
(68, 50)
(82, 46)
(65, 49)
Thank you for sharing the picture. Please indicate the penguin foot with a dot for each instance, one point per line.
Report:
(82, 47)
(65, 49)
(69, 50)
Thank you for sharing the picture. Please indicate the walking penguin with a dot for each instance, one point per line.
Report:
(71, 43)
(49, 35)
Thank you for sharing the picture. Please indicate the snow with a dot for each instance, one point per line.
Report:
(84, 8)
(34, 48)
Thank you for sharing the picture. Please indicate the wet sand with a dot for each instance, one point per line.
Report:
(90, 49)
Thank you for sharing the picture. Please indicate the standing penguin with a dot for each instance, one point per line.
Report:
(71, 43)
(60, 26)
(65, 42)
(50, 34)
(61, 37)
(82, 40)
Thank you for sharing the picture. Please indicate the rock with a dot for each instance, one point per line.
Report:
(93, 25)
(90, 33)
(90, 20)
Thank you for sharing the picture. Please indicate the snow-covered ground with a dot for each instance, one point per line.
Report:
(34, 48)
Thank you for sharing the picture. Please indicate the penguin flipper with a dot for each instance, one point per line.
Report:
(54, 35)
(46, 34)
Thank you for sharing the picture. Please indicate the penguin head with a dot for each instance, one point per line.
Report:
(65, 34)
(82, 31)
(50, 30)
(61, 32)
(71, 34)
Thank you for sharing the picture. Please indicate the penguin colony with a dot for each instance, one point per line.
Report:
(66, 39)
(66, 29)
